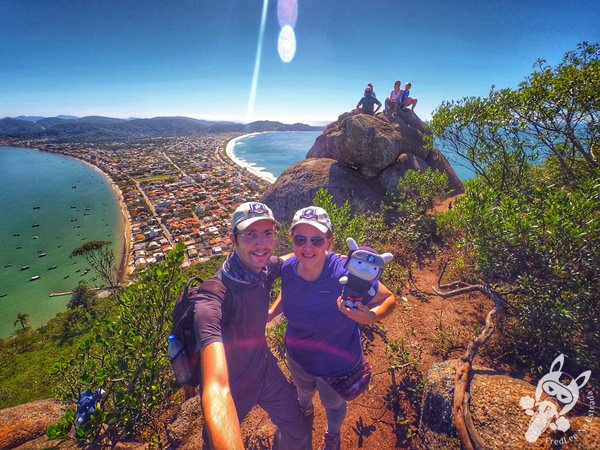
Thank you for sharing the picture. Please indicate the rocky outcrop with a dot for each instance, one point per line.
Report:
(297, 186)
(358, 158)
(24, 423)
(497, 415)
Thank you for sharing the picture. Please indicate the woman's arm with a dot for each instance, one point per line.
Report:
(380, 306)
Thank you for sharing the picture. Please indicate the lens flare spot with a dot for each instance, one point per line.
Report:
(286, 45)
(287, 12)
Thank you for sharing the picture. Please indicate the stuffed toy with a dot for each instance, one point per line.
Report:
(364, 266)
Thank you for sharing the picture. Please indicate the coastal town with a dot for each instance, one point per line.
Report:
(172, 190)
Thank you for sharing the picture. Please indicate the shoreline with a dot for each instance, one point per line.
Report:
(125, 217)
(125, 221)
(265, 176)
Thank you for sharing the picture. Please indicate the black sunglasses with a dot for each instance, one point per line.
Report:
(316, 241)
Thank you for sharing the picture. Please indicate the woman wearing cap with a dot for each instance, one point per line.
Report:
(322, 337)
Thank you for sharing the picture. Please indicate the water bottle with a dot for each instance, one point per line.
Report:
(179, 360)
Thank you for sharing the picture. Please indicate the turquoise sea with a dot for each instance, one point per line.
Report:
(271, 153)
(76, 204)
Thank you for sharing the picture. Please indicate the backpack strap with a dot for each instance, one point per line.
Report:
(190, 282)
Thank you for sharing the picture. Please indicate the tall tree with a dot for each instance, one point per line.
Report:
(553, 113)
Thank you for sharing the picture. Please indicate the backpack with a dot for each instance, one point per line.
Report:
(183, 319)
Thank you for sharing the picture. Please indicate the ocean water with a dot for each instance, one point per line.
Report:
(76, 204)
(270, 154)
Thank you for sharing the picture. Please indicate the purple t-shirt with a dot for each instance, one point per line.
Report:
(319, 337)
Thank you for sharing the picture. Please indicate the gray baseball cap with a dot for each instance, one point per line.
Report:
(248, 213)
(312, 215)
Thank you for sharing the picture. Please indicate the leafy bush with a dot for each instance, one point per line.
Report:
(542, 244)
(127, 357)
(533, 230)
(344, 223)
(416, 191)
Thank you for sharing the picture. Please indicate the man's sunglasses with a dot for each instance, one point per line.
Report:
(316, 241)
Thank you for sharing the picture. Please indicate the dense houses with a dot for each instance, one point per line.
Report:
(180, 190)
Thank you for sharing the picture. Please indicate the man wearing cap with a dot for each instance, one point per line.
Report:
(322, 337)
(238, 369)
(368, 102)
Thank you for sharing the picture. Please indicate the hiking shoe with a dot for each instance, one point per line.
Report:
(330, 442)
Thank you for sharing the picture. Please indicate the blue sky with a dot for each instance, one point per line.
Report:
(196, 58)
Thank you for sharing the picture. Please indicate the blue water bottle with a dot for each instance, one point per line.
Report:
(179, 360)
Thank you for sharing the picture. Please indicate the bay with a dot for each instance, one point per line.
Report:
(268, 155)
(51, 204)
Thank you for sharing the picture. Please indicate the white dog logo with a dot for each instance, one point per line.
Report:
(547, 414)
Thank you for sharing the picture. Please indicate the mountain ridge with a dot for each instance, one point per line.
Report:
(106, 128)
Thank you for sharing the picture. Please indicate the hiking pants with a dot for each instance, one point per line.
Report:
(277, 397)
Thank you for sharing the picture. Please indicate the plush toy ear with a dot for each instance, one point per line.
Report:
(351, 243)
(387, 257)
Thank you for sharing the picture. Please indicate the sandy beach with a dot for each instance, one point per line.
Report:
(250, 167)
(125, 218)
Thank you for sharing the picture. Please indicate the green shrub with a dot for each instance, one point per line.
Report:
(127, 357)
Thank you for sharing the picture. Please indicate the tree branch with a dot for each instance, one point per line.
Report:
(461, 383)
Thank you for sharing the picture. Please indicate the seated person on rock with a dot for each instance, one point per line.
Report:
(406, 99)
(372, 89)
(366, 104)
(392, 102)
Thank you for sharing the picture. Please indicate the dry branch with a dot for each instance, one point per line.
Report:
(462, 416)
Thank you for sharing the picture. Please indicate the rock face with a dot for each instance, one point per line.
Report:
(497, 416)
(24, 423)
(359, 158)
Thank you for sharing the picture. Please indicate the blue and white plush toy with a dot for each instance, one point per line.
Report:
(364, 266)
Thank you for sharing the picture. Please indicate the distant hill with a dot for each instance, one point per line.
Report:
(29, 118)
(70, 128)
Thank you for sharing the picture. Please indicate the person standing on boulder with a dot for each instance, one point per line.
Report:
(392, 102)
(238, 369)
(322, 339)
(366, 104)
(406, 99)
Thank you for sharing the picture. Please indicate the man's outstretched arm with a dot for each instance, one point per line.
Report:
(217, 403)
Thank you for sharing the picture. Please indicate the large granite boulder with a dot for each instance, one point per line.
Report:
(497, 415)
(25, 423)
(297, 187)
(359, 158)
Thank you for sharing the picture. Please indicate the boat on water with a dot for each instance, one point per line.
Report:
(52, 267)
(8, 265)
(4, 294)
(41, 255)
(36, 207)
(35, 237)
(35, 225)
(16, 234)
(35, 277)
(25, 267)
(19, 247)
(73, 206)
